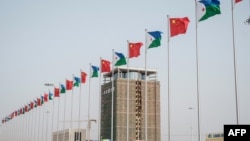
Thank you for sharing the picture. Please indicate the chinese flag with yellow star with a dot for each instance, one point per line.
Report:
(178, 26)
(134, 49)
(105, 67)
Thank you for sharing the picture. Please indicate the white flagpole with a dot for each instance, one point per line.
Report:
(64, 113)
(88, 125)
(100, 100)
(32, 121)
(23, 135)
(71, 115)
(25, 123)
(79, 112)
(169, 108)
(146, 89)
(112, 93)
(235, 71)
(128, 94)
(52, 120)
(197, 72)
(58, 109)
(43, 118)
(39, 120)
(28, 123)
(35, 120)
(15, 129)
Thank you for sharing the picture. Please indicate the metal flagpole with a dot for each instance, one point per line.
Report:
(146, 89)
(43, 119)
(26, 124)
(32, 121)
(235, 74)
(64, 116)
(30, 124)
(14, 128)
(169, 117)
(57, 130)
(112, 94)
(71, 116)
(15, 131)
(52, 120)
(88, 124)
(79, 112)
(39, 121)
(128, 94)
(100, 104)
(197, 73)
(35, 120)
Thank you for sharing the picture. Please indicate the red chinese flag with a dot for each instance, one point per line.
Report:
(26, 108)
(12, 115)
(39, 102)
(105, 66)
(178, 26)
(46, 99)
(31, 105)
(236, 1)
(134, 49)
(69, 85)
(21, 110)
(56, 92)
(83, 77)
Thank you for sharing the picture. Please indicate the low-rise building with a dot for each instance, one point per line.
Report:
(70, 135)
(215, 137)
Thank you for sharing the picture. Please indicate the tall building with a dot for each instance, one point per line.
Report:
(130, 80)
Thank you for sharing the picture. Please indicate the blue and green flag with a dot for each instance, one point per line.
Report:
(207, 9)
(121, 60)
(95, 70)
(153, 39)
(77, 81)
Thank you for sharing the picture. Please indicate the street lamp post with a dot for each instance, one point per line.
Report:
(191, 108)
(47, 112)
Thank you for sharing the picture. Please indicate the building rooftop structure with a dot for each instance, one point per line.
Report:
(134, 73)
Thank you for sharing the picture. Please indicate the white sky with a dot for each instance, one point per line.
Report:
(49, 41)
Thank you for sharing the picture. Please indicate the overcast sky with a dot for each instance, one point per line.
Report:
(49, 41)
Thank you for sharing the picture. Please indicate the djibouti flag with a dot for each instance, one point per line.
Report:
(153, 39)
(207, 9)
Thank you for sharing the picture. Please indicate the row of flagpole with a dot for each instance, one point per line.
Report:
(40, 126)
(169, 96)
(233, 2)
